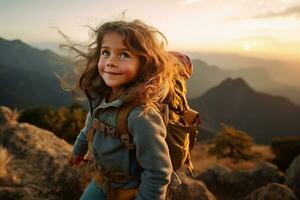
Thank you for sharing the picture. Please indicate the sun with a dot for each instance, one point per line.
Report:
(247, 47)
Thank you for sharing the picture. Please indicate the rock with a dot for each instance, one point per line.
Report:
(227, 184)
(273, 191)
(39, 168)
(292, 176)
(190, 189)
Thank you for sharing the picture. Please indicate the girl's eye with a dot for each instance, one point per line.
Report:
(104, 52)
(125, 55)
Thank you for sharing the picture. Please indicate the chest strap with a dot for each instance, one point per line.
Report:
(114, 132)
(106, 130)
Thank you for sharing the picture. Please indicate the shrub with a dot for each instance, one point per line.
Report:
(232, 143)
(65, 122)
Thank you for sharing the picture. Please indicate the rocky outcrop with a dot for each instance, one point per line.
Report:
(39, 168)
(190, 189)
(273, 191)
(292, 177)
(227, 184)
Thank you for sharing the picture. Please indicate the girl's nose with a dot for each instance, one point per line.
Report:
(112, 62)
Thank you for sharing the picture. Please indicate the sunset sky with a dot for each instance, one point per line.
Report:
(263, 28)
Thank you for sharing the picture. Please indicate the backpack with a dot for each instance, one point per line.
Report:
(181, 121)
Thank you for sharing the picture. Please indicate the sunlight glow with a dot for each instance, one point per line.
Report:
(242, 26)
(246, 47)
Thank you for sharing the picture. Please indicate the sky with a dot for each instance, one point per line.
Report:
(259, 28)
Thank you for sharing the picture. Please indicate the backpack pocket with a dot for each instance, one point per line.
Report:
(178, 142)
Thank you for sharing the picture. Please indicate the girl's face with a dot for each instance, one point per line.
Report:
(117, 64)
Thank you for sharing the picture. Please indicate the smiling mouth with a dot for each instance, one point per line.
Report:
(113, 73)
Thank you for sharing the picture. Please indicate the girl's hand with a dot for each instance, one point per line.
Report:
(75, 160)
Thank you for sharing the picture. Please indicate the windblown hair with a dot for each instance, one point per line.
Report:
(157, 71)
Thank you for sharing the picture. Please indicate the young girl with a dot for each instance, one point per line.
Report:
(127, 64)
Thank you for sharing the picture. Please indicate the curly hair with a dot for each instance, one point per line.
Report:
(157, 71)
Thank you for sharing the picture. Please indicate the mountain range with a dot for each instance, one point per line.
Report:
(206, 76)
(27, 76)
(248, 99)
(283, 71)
(261, 115)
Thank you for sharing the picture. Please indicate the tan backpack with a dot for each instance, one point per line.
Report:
(181, 121)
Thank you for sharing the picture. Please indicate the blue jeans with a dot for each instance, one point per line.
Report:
(93, 192)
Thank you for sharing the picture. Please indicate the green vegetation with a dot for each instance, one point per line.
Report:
(232, 143)
(65, 122)
(285, 150)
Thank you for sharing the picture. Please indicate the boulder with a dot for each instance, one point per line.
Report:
(273, 191)
(226, 184)
(292, 176)
(190, 189)
(39, 166)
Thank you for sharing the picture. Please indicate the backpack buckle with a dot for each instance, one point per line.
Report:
(111, 131)
(96, 124)
(126, 141)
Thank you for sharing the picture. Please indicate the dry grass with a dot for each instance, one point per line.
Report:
(202, 160)
(10, 115)
(5, 157)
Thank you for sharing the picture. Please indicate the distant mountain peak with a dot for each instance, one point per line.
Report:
(231, 91)
(18, 41)
(238, 80)
(15, 44)
(19, 45)
(235, 83)
(261, 115)
(200, 63)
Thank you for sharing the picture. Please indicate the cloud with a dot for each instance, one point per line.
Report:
(294, 10)
(261, 38)
(188, 2)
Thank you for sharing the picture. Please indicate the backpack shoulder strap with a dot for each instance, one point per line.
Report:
(123, 114)
(125, 137)
(122, 125)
